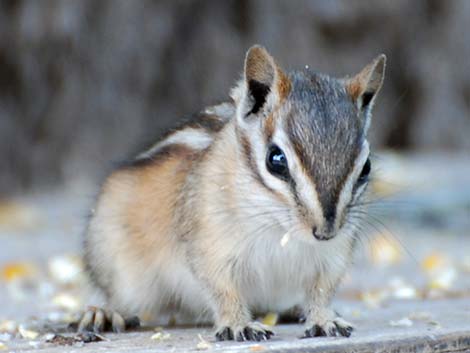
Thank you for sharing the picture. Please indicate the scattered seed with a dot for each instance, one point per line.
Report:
(66, 301)
(374, 298)
(27, 334)
(270, 319)
(285, 239)
(160, 336)
(18, 270)
(420, 316)
(202, 344)
(66, 269)
(385, 250)
(444, 279)
(405, 322)
(399, 289)
(434, 262)
(8, 326)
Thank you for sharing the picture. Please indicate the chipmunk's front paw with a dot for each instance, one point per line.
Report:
(252, 332)
(98, 320)
(330, 328)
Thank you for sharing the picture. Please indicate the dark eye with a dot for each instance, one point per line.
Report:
(364, 173)
(276, 162)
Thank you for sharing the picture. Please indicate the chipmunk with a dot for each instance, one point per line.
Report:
(199, 222)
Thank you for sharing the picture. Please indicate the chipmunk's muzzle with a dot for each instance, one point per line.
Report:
(321, 235)
(326, 232)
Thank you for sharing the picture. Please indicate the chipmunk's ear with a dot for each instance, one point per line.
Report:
(364, 87)
(264, 83)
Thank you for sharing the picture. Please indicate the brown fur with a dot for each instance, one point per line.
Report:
(284, 85)
(269, 127)
(355, 88)
(151, 211)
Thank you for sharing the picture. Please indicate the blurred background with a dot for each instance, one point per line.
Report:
(84, 84)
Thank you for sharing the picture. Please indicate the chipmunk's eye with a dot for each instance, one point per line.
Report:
(276, 162)
(364, 173)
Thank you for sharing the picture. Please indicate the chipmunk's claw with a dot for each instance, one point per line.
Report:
(314, 331)
(252, 332)
(98, 320)
(337, 327)
(224, 334)
(345, 331)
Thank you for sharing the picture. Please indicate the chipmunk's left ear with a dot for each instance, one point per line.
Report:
(363, 87)
(264, 83)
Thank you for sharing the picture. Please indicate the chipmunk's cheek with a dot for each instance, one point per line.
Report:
(342, 220)
(303, 233)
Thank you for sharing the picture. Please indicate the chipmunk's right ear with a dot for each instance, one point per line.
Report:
(264, 83)
(364, 86)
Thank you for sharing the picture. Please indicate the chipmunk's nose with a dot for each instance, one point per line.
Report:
(319, 235)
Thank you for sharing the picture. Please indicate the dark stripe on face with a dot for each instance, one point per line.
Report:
(251, 163)
(301, 207)
(247, 152)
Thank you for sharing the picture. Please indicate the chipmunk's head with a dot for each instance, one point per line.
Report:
(303, 136)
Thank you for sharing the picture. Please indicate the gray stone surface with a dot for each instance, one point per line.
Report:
(441, 326)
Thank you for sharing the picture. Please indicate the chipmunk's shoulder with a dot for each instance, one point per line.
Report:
(191, 137)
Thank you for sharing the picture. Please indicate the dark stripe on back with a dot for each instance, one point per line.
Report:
(162, 155)
(209, 123)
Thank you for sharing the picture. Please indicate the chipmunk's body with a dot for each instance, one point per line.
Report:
(247, 208)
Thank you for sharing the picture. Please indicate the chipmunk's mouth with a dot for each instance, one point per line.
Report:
(322, 234)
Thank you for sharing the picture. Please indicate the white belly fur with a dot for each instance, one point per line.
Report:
(273, 277)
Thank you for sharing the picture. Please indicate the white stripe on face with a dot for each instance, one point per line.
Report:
(346, 193)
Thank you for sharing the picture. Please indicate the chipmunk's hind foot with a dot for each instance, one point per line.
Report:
(251, 332)
(100, 320)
